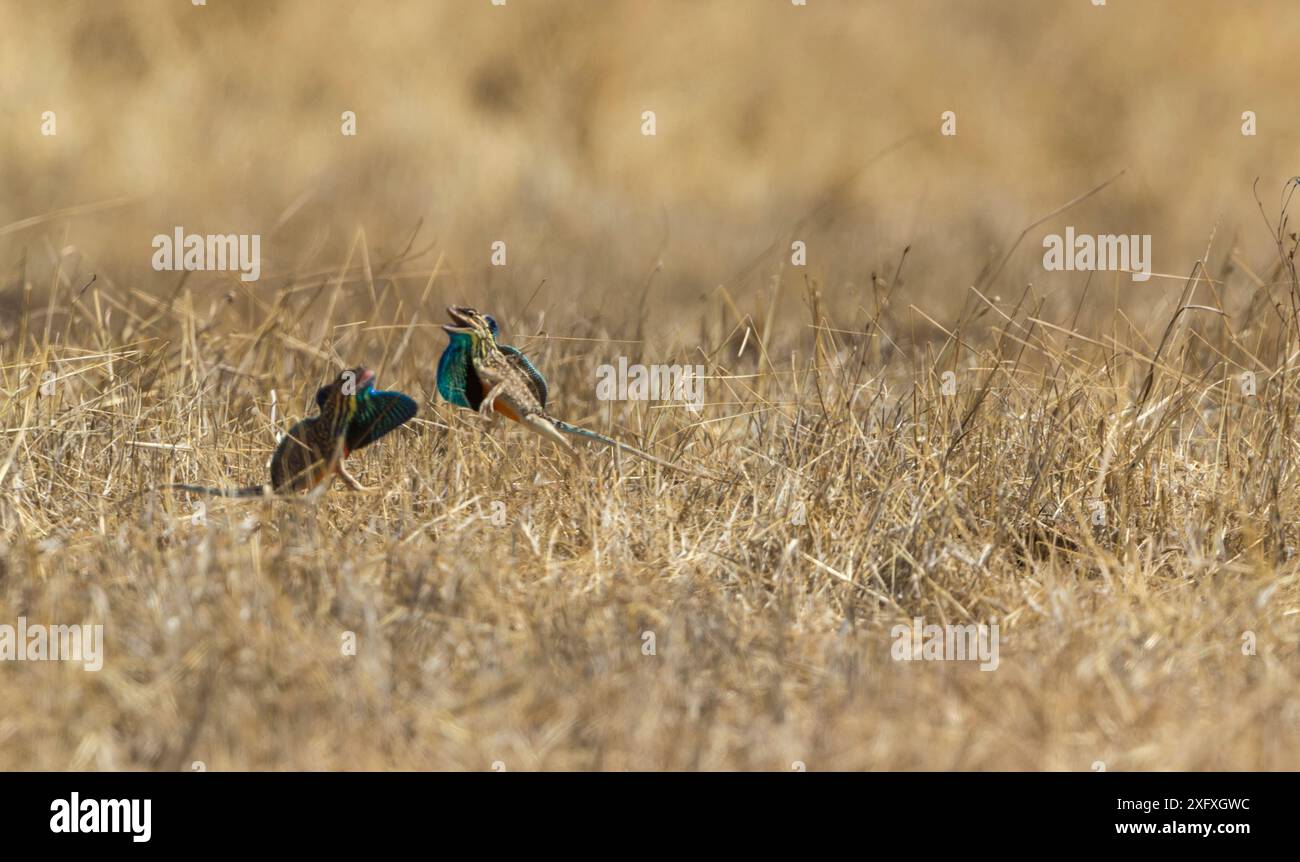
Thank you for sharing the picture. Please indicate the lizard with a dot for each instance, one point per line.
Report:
(476, 372)
(457, 382)
(309, 456)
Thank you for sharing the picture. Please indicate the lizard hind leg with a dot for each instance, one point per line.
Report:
(320, 488)
(539, 424)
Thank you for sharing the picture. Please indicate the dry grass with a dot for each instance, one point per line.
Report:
(522, 642)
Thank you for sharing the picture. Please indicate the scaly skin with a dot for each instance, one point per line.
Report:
(457, 382)
(310, 455)
(478, 373)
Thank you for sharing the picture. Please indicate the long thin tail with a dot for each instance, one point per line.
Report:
(250, 491)
(631, 450)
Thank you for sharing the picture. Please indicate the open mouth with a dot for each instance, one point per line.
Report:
(462, 322)
(365, 379)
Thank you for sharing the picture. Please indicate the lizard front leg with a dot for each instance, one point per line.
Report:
(489, 401)
(350, 480)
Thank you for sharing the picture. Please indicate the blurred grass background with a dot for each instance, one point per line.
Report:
(522, 123)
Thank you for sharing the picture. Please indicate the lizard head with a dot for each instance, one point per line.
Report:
(363, 380)
(338, 401)
(470, 321)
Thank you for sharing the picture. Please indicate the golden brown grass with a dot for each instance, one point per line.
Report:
(522, 643)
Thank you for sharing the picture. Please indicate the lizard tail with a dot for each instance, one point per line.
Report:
(250, 491)
(623, 447)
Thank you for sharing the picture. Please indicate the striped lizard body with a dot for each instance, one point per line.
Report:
(478, 373)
